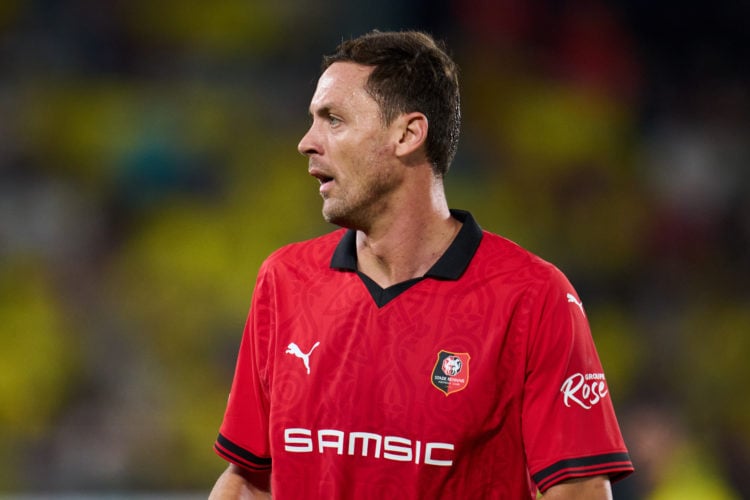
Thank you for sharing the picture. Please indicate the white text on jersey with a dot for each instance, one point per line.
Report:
(400, 449)
(584, 390)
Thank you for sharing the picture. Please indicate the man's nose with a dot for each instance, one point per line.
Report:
(308, 145)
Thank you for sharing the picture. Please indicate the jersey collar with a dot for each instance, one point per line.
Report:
(451, 264)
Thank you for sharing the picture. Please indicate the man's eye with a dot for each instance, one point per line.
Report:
(334, 121)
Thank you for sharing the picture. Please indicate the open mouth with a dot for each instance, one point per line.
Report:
(323, 178)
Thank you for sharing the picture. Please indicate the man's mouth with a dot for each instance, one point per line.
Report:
(322, 177)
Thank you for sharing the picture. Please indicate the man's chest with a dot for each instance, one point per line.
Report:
(409, 374)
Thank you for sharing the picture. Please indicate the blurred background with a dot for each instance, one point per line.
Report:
(148, 165)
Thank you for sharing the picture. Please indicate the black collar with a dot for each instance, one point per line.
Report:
(451, 264)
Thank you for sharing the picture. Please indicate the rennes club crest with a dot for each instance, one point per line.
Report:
(451, 371)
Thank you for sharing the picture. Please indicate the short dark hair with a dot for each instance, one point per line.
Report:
(412, 72)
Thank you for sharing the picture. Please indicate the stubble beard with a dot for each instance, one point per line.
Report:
(350, 216)
(359, 211)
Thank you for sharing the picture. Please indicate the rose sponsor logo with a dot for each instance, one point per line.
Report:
(584, 390)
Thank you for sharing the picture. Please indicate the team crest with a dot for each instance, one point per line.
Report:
(451, 371)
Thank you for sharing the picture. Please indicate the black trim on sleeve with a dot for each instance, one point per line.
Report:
(615, 465)
(239, 455)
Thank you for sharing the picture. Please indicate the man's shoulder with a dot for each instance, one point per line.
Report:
(511, 251)
(507, 256)
(311, 252)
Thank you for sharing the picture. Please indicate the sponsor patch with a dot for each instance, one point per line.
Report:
(451, 371)
(584, 390)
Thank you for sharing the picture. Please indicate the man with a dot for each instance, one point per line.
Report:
(410, 354)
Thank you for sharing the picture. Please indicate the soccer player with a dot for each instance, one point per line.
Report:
(410, 354)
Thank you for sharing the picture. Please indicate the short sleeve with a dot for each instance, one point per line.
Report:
(569, 425)
(244, 433)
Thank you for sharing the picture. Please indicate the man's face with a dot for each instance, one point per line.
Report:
(350, 151)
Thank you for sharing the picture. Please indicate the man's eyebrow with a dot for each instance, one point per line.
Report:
(323, 110)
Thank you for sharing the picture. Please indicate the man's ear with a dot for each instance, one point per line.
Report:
(413, 133)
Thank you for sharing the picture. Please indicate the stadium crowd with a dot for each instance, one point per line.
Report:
(148, 165)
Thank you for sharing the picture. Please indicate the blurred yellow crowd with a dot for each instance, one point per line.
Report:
(148, 164)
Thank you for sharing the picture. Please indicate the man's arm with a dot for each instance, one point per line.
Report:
(585, 488)
(237, 483)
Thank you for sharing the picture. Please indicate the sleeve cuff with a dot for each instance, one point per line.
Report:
(236, 454)
(615, 465)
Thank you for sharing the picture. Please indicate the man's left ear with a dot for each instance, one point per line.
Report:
(413, 132)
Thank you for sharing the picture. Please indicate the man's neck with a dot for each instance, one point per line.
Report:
(407, 247)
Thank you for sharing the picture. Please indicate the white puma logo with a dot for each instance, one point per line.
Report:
(296, 351)
(572, 298)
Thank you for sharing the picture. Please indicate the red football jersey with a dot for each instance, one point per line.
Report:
(480, 380)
